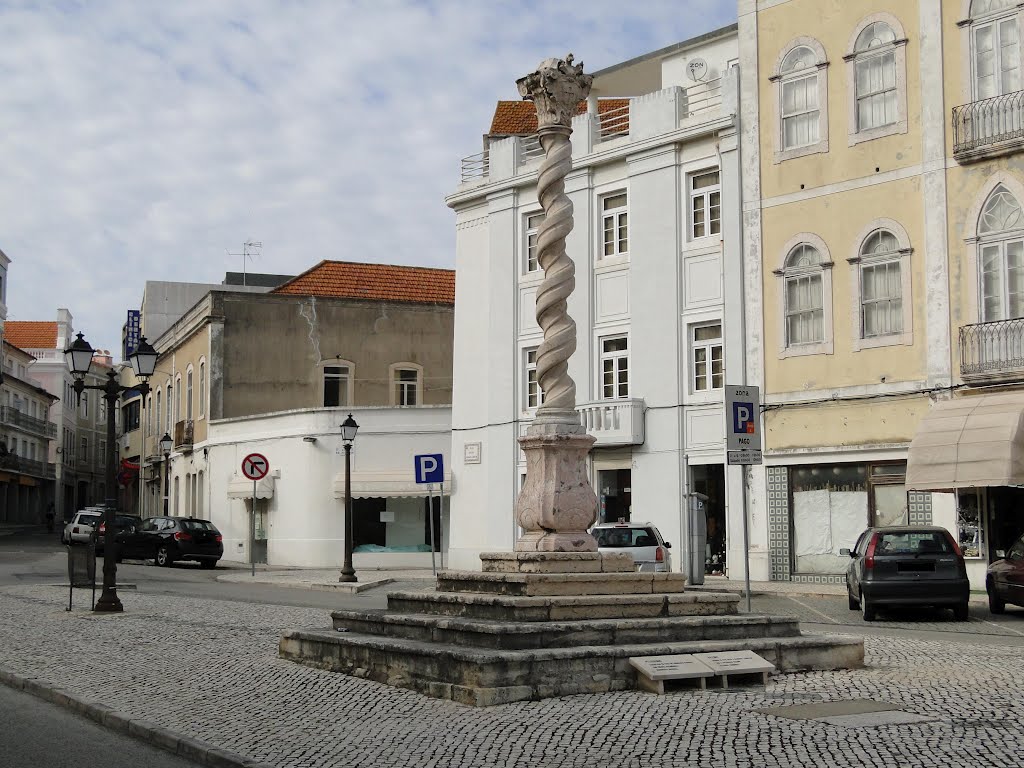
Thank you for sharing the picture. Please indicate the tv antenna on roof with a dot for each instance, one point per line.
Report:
(250, 248)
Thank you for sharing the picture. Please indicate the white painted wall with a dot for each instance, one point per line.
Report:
(305, 519)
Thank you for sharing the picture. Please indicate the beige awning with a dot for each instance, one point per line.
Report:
(967, 442)
(388, 485)
(240, 487)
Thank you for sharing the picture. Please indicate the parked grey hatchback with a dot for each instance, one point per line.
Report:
(907, 565)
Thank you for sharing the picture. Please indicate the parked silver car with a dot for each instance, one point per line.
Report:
(642, 540)
(82, 526)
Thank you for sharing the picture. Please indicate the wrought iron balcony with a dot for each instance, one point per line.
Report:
(12, 417)
(992, 351)
(989, 127)
(183, 435)
(614, 422)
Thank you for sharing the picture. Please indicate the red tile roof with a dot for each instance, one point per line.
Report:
(375, 282)
(31, 334)
(519, 118)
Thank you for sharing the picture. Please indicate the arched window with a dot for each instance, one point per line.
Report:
(159, 423)
(188, 394)
(877, 76)
(805, 315)
(881, 302)
(1001, 256)
(802, 100)
(995, 48)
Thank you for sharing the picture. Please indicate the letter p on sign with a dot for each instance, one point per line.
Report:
(429, 468)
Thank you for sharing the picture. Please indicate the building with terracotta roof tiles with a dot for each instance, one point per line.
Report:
(277, 373)
(656, 193)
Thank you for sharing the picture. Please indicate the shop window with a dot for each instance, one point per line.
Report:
(970, 505)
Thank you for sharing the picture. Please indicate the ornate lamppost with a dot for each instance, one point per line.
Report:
(165, 447)
(348, 435)
(143, 361)
(556, 505)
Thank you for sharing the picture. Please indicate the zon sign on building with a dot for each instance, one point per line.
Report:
(743, 424)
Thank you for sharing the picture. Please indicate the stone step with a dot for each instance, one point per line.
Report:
(483, 677)
(563, 608)
(545, 584)
(482, 633)
(557, 562)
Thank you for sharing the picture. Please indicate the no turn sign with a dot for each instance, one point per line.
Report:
(255, 466)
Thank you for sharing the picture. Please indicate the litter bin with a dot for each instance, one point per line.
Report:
(698, 538)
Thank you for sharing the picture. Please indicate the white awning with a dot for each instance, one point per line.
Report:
(240, 487)
(389, 485)
(968, 442)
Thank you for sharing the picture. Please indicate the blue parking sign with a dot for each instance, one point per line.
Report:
(429, 468)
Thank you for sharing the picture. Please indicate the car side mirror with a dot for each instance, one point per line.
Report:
(1000, 553)
(668, 545)
(846, 551)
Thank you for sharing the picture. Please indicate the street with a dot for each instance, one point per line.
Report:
(199, 658)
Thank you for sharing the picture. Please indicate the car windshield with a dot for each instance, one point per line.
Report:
(625, 537)
(913, 543)
(197, 525)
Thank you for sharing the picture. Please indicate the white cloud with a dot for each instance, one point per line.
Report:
(145, 140)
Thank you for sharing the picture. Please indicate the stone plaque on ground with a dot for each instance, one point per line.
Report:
(653, 671)
(740, 666)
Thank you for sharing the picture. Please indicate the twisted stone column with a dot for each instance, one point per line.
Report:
(556, 505)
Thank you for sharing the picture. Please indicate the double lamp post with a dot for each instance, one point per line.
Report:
(143, 361)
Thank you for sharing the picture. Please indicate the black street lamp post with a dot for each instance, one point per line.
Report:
(143, 361)
(348, 434)
(165, 446)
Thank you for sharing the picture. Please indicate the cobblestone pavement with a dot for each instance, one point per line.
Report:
(209, 669)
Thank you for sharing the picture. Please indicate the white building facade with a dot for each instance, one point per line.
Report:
(657, 304)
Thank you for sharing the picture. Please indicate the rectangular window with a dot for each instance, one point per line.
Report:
(614, 368)
(188, 396)
(881, 299)
(130, 417)
(705, 205)
(84, 455)
(336, 383)
(800, 112)
(534, 394)
(996, 59)
(876, 91)
(805, 316)
(406, 381)
(84, 407)
(202, 389)
(533, 221)
(615, 224)
(708, 357)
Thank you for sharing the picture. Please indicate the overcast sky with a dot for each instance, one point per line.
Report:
(147, 140)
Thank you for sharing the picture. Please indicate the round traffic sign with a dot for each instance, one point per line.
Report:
(255, 466)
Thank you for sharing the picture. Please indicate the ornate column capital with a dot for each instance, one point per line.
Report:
(557, 88)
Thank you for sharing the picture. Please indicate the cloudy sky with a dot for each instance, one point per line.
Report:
(147, 140)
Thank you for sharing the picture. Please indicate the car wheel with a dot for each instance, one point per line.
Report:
(164, 557)
(208, 564)
(961, 612)
(867, 610)
(995, 605)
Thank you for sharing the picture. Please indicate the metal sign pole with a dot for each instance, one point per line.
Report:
(430, 522)
(440, 526)
(746, 537)
(252, 533)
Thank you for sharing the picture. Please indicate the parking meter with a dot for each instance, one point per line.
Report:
(698, 538)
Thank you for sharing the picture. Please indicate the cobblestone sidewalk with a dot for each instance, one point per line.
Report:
(209, 670)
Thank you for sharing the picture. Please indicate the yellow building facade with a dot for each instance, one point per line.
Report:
(883, 178)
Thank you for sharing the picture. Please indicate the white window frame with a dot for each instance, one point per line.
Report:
(202, 388)
(83, 411)
(348, 379)
(159, 411)
(708, 347)
(400, 392)
(614, 358)
(177, 400)
(703, 197)
(857, 261)
(818, 70)
(188, 393)
(533, 395)
(826, 345)
(531, 265)
(616, 221)
(898, 48)
(971, 23)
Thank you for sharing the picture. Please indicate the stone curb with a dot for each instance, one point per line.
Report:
(143, 730)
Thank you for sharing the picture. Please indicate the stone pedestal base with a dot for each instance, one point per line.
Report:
(556, 505)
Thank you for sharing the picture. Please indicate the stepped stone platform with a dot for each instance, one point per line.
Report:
(535, 625)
